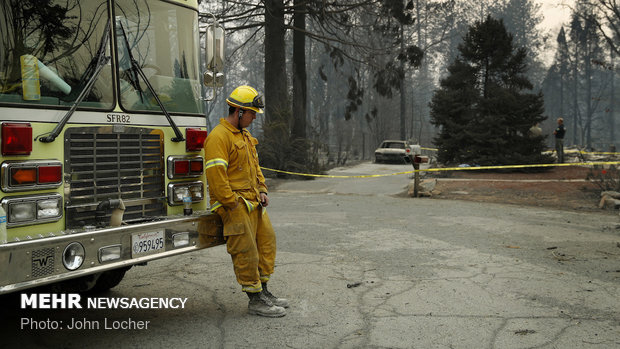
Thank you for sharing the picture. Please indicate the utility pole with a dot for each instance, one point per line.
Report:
(612, 105)
(403, 135)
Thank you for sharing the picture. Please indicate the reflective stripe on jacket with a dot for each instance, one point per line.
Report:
(232, 166)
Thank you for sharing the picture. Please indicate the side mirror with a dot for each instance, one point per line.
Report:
(215, 48)
(214, 56)
(212, 79)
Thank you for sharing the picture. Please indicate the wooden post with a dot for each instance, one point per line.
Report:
(416, 176)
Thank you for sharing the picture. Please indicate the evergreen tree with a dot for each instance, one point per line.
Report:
(482, 108)
(589, 79)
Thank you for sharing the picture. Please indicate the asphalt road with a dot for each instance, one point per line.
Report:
(365, 267)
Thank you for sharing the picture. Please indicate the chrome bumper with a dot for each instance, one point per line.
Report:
(37, 262)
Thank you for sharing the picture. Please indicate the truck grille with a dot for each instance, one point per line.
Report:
(113, 163)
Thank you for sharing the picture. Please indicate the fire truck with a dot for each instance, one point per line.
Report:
(102, 132)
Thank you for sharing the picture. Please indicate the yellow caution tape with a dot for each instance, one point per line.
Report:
(566, 151)
(518, 166)
(592, 152)
(477, 168)
(333, 176)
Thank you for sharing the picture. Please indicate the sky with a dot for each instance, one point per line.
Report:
(556, 13)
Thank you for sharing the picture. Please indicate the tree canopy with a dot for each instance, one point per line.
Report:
(482, 108)
(334, 72)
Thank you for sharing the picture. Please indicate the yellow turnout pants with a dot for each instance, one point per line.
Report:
(251, 242)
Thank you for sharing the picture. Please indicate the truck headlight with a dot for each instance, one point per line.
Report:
(73, 256)
(21, 212)
(109, 253)
(24, 210)
(48, 209)
(178, 191)
(196, 192)
(180, 239)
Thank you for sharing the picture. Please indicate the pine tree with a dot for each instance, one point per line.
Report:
(482, 108)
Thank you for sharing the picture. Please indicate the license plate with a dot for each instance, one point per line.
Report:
(147, 243)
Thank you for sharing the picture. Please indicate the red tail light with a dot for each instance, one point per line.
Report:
(50, 174)
(30, 175)
(181, 167)
(196, 166)
(16, 138)
(194, 139)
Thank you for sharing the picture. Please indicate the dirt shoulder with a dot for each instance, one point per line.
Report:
(559, 187)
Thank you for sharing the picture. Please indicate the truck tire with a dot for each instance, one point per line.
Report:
(109, 279)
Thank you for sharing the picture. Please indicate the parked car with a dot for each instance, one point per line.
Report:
(392, 150)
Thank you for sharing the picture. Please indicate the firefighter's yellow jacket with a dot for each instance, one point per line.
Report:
(232, 167)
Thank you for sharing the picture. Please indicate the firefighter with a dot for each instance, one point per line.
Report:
(239, 195)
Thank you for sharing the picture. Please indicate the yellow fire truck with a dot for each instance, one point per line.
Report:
(102, 129)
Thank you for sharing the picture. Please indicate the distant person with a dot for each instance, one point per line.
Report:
(535, 131)
(559, 140)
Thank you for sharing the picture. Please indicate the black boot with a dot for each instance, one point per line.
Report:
(260, 305)
(281, 302)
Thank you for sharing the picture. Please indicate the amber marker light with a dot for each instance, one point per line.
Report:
(23, 176)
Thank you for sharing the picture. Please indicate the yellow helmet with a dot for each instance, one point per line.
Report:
(247, 98)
